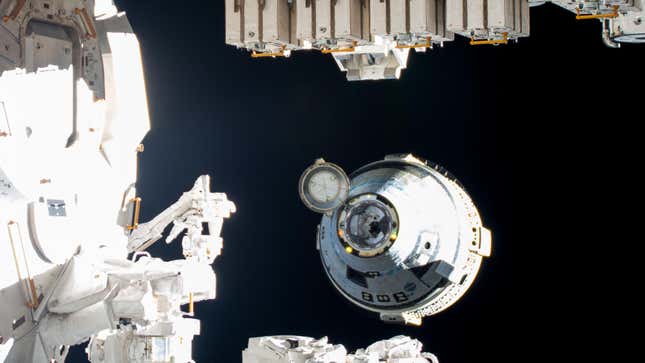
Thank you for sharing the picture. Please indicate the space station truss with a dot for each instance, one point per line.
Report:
(371, 39)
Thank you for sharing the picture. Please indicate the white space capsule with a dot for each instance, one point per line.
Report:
(405, 241)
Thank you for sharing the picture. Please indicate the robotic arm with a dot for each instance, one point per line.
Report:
(159, 331)
(195, 209)
(131, 310)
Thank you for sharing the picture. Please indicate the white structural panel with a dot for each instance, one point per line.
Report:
(253, 22)
(295, 349)
(352, 29)
(73, 113)
(348, 19)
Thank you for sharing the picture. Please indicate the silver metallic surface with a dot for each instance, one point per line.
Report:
(408, 242)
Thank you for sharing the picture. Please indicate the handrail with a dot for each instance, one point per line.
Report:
(137, 210)
(191, 304)
(427, 44)
(597, 16)
(30, 286)
(255, 54)
(268, 55)
(15, 11)
(340, 50)
(91, 32)
(3, 115)
(504, 40)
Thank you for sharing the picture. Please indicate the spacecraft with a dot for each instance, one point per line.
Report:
(73, 112)
(372, 39)
(293, 349)
(399, 237)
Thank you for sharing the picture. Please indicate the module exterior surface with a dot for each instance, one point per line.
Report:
(73, 113)
(295, 349)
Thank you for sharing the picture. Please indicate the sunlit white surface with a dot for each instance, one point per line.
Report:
(73, 113)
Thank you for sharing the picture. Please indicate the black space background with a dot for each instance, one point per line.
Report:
(524, 127)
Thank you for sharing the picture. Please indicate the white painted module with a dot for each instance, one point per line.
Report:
(73, 112)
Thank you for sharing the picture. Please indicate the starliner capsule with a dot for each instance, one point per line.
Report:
(400, 237)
